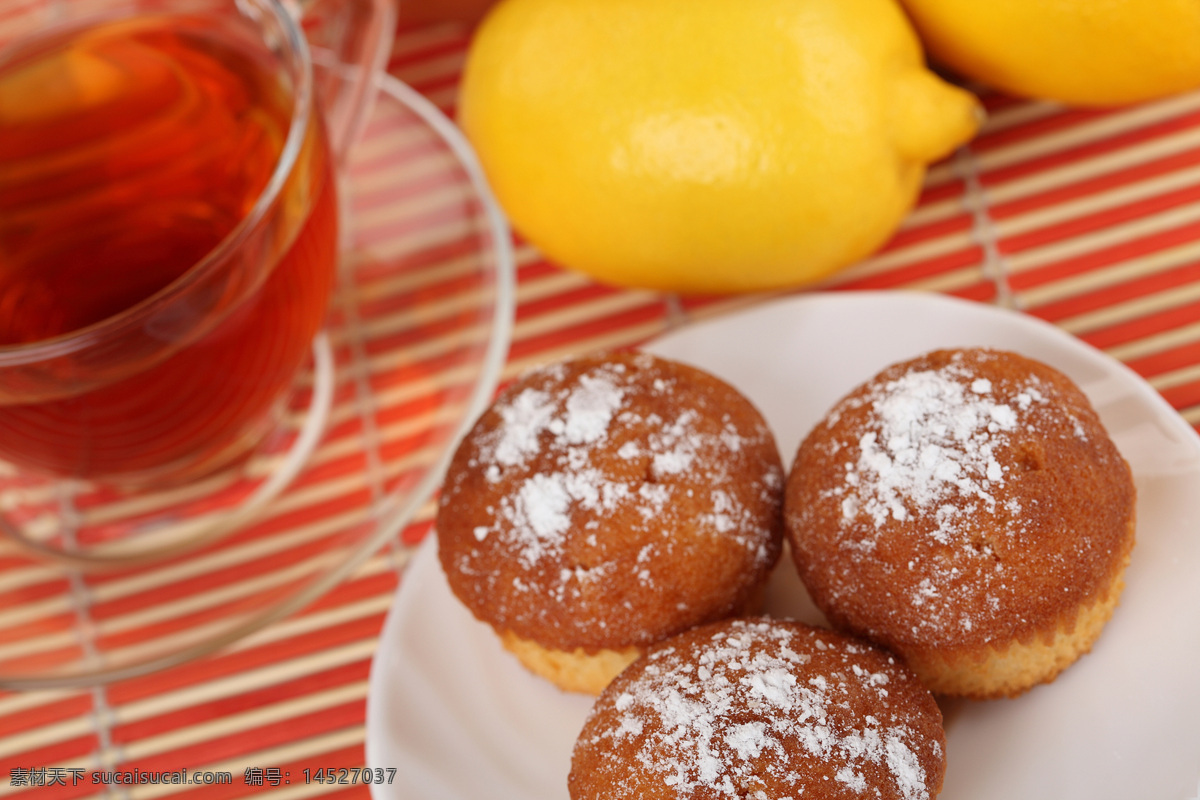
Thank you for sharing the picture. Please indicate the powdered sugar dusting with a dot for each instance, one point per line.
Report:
(528, 414)
(939, 486)
(578, 445)
(539, 515)
(590, 408)
(745, 710)
(565, 425)
(932, 450)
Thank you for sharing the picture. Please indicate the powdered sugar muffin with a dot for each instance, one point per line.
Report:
(759, 709)
(605, 502)
(967, 510)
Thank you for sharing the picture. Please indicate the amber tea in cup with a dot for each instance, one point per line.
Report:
(168, 238)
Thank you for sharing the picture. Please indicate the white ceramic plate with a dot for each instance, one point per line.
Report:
(459, 719)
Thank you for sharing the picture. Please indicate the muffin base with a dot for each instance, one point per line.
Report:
(574, 671)
(1020, 666)
(589, 672)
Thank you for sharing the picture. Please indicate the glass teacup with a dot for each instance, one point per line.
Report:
(168, 226)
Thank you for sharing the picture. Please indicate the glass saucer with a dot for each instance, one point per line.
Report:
(418, 332)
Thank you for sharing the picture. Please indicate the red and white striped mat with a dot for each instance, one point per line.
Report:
(1087, 219)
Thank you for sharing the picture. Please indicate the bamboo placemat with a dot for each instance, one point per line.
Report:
(1087, 219)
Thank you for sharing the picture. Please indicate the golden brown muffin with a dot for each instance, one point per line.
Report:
(967, 510)
(758, 709)
(605, 502)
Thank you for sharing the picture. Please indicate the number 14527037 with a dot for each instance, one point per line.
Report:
(349, 775)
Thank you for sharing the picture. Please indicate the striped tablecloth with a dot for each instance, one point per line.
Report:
(1087, 219)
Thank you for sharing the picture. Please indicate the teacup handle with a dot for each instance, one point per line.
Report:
(351, 41)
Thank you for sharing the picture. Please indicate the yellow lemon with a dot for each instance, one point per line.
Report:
(1079, 52)
(706, 145)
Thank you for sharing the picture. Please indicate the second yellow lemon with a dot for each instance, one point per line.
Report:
(1080, 52)
(709, 145)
